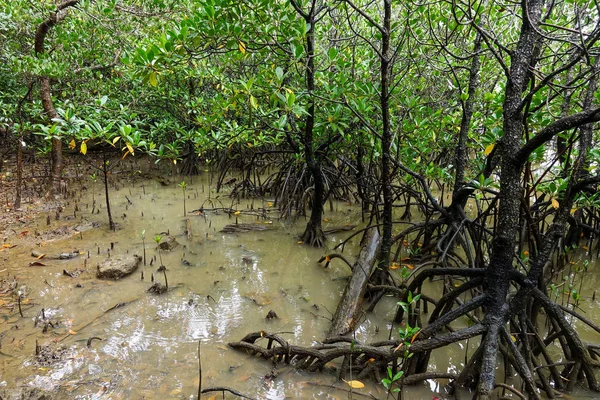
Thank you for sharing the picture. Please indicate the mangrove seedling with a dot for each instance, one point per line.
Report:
(157, 239)
(183, 186)
(390, 380)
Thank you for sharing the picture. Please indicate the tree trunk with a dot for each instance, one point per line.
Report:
(19, 170)
(105, 170)
(313, 234)
(46, 95)
(386, 140)
(460, 154)
(500, 266)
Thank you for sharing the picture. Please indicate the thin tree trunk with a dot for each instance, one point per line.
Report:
(460, 156)
(46, 94)
(105, 171)
(19, 170)
(313, 233)
(386, 139)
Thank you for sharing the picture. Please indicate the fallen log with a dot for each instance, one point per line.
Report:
(347, 314)
(337, 229)
(243, 228)
(55, 256)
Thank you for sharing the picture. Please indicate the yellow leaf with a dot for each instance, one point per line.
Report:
(394, 266)
(25, 301)
(175, 392)
(514, 339)
(125, 155)
(237, 213)
(488, 150)
(299, 241)
(129, 148)
(415, 336)
(115, 140)
(270, 204)
(72, 144)
(72, 332)
(555, 203)
(242, 47)
(6, 246)
(83, 148)
(585, 248)
(175, 161)
(152, 79)
(327, 258)
(355, 384)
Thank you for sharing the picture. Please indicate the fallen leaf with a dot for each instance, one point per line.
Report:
(72, 332)
(237, 213)
(299, 241)
(40, 256)
(175, 392)
(355, 384)
(555, 203)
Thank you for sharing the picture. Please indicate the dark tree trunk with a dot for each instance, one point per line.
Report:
(460, 154)
(500, 266)
(19, 171)
(46, 95)
(105, 171)
(386, 140)
(313, 234)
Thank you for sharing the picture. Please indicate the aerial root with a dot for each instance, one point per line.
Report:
(364, 359)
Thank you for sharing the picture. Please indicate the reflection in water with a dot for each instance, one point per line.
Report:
(222, 291)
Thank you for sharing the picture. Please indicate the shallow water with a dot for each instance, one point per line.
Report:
(224, 290)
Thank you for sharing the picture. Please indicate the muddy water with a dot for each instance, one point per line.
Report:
(223, 286)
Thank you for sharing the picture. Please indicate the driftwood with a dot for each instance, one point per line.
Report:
(55, 256)
(337, 229)
(243, 228)
(347, 314)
